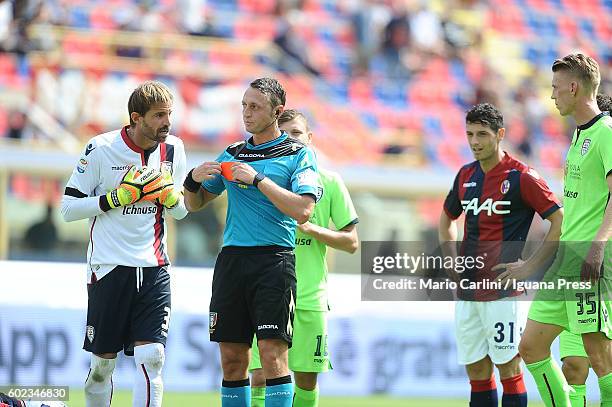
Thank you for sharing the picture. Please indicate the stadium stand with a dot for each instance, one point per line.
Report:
(383, 81)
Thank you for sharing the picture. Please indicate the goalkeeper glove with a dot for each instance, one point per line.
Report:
(135, 185)
(169, 196)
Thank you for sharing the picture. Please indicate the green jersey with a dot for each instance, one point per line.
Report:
(585, 191)
(310, 265)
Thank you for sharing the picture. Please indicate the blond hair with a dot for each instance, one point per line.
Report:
(146, 95)
(582, 67)
(290, 114)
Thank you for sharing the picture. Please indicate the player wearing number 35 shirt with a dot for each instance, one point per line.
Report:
(126, 182)
(499, 196)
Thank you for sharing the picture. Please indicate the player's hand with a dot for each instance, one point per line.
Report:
(152, 183)
(305, 227)
(169, 196)
(510, 272)
(244, 173)
(591, 268)
(136, 183)
(206, 171)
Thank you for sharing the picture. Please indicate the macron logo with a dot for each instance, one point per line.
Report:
(260, 327)
(469, 184)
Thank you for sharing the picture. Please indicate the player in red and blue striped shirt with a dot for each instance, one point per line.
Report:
(499, 196)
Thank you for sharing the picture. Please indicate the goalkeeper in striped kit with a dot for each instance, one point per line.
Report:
(308, 356)
(126, 182)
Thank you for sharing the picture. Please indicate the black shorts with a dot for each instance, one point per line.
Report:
(253, 292)
(128, 304)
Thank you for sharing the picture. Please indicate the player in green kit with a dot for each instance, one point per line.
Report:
(571, 349)
(308, 355)
(587, 222)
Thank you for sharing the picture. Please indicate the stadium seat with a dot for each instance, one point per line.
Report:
(538, 31)
(257, 6)
(251, 27)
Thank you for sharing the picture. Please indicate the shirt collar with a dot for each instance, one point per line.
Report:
(267, 144)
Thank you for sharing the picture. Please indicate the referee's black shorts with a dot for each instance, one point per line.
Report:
(128, 304)
(253, 292)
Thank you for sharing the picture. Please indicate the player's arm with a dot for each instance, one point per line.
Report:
(299, 207)
(296, 203)
(345, 239)
(172, 197)
(605, 230)
(198, 196)
(137, 183)
(342, 213)
(79, 201)
(522, 270)
(591, 268)
(536, 194)
(447, 228)
(447, 236)
(447, 225)
(77, 205)
(447, 232)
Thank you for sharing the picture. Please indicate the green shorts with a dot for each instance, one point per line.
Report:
(577, 310)
(571, 345)
(308, 352)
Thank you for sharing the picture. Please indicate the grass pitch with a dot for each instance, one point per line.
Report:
(123, 398)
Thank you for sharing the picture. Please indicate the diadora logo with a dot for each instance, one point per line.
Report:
(120, 167)
(260, 327)
(489, 205)
(251, 155)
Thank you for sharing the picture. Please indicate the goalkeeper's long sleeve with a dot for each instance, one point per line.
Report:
(74, 208)
(179, 211)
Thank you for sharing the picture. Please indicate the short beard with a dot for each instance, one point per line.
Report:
(148, 132)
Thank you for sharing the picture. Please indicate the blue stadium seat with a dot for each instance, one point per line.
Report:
(223, 5)
(369, 119)
(587, 28)
(432, 127)
(457, 69)
(79, 17)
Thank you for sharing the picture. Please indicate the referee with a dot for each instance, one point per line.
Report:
(272, 183)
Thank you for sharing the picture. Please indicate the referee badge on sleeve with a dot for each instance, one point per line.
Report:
(212, 322)
(90, 333)
(307, 178)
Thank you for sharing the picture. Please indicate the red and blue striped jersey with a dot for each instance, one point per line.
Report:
(499, 206)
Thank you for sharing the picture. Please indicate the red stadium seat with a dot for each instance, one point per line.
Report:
(540, 5)
(252, 27)
(3, 122)
(552, 128)
(567, 26)
(257, 6)
(360, 91)
(101, 18)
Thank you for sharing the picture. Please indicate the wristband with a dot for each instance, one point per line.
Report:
(190, 184)
(260, 176)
